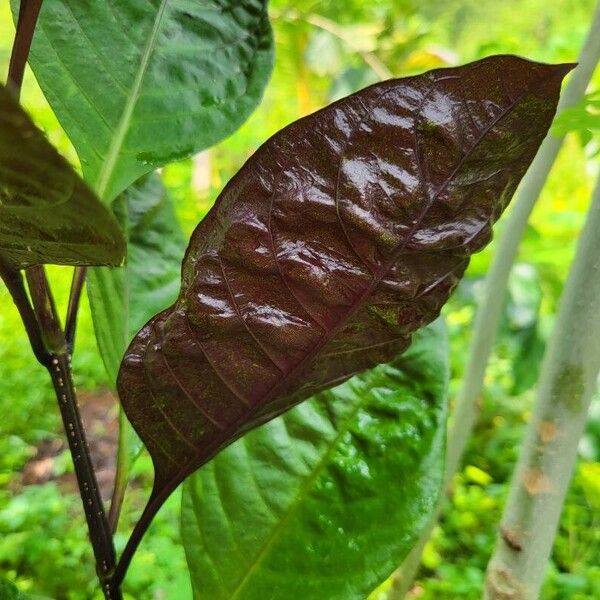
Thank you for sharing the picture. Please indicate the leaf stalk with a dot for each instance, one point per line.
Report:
(122, 471)
(14, 282)
(79, 275)
(28, 16)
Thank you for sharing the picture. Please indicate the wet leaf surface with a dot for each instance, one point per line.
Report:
(137, 85)
(342, 235)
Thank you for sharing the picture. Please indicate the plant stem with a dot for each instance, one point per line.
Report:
(402, 579)
(77, 283)
(100, 535)
(490, 305)
(49, 344)
(43, 303)
(59, 367)
(489, 309)
(28, 15)
(45, 310)
(16, 287)
(548, 454)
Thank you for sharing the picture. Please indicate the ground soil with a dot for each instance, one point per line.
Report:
(99, 414)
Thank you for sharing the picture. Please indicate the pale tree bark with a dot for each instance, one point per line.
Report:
(549, 451)
(490, 305)
(201, 171)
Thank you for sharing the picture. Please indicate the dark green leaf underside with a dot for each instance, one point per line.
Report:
(47, 213)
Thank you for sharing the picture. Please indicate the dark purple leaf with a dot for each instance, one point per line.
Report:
(342, 235)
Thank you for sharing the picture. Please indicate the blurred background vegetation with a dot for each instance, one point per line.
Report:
(325, 50)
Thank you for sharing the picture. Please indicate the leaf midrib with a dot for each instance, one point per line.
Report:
(169, 485)
(110, 163)
(302, 494)
(304, 489)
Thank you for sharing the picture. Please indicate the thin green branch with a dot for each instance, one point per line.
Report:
(549, 451)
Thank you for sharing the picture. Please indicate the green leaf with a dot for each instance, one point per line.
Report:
(326, 500)
(47, 213)
(584, 118)
(8, 591)
(123, 299)
(137, 84)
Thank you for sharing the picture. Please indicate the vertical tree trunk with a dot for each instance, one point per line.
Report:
(567, 382)
(201, 172)
(490, 306)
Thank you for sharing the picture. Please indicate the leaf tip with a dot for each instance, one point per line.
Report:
(563, 69)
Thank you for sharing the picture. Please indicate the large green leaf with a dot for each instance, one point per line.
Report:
(139, 83)
(326, 500)
(47, 213)
(123, 299)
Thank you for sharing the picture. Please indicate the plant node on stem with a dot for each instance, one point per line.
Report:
(45, 310)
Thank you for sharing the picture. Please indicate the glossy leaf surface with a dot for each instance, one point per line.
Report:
(123, 299)
(137, 84)
(47, 213)
(326, 500)
(343, 234)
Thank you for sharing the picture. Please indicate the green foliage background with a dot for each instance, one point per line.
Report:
(326, 49)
